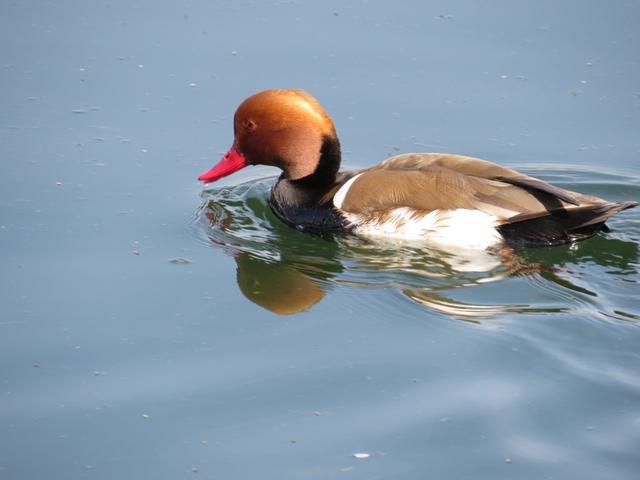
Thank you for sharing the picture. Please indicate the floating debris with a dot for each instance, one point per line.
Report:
(145, 416)
(504, 77)
(317, 413)
(193, 85)
(234, 52)
(180, 260)
(136, 252)
(361, 455)
(194, 470)
(59, 184)
(508, 460)
(589, 64)
(79, 111)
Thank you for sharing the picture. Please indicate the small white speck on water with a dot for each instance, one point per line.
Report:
(140, 65)
(146, 416)
(589, 64)
(179, 260)
(361, 455)
(59, 184)
(508, 460)
(317, 413)
(504, 77)
(583, 82)
(194, 470)
(193, 85)
(234, 52)
(136, 252)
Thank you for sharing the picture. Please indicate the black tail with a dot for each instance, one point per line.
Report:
(561, 226)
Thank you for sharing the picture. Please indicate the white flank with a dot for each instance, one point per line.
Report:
(458, 228)
(340, 195)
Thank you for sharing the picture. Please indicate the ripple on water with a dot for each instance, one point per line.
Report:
(287, 271)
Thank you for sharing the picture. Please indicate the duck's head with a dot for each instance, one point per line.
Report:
(288, 129)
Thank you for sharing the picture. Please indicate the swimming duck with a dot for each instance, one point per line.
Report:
(446, 199)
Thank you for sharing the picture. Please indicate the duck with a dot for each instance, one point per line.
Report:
(441, 198)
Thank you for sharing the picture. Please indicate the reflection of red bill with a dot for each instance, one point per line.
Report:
(231, 162)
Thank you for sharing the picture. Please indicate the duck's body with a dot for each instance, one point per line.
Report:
(441, 198)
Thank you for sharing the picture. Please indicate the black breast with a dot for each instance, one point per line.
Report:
(301, 207)
(303, 203)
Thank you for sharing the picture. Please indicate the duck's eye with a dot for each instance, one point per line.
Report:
(250, 125)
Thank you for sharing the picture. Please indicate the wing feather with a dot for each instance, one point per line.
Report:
(433, 181)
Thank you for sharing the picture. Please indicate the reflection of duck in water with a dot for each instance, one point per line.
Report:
(275, 285)
(287, 272)
(449, 200)
(272, 270)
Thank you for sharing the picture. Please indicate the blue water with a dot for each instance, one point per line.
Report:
(153, 328)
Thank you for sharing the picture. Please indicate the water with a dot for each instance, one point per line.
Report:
(117, 360)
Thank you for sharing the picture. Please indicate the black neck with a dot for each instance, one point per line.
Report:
(297, 202)
(324, 176)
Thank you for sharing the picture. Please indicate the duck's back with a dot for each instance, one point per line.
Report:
(465, 201)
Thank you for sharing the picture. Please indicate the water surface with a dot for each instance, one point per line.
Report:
(144, 331)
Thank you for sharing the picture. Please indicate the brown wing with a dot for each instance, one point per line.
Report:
(432, 181)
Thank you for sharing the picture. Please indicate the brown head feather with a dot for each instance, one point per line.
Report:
(282, 128)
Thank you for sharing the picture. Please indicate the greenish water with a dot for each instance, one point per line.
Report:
(151, 328)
